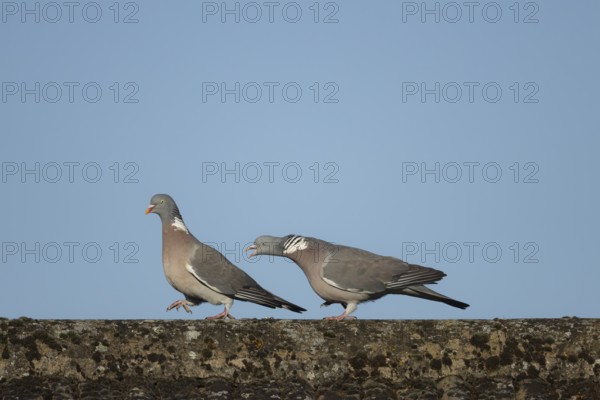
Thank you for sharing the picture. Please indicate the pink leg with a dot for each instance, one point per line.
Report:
(340, 317)
(178, 304)
(223, 315)
(350, 308)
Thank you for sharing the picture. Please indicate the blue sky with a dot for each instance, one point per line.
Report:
(468, 144)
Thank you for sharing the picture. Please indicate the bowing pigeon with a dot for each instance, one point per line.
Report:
(200, 272)
(349, 276)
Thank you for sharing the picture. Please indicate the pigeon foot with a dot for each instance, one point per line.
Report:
(178, 304)
(223, 315)
(340, 318)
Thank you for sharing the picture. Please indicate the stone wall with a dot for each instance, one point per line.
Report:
(300, 359)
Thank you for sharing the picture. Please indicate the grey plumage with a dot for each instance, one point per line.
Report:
(349, 276)
(202, 273)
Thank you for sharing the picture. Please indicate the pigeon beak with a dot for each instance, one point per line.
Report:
(252, 247)
(149, 209)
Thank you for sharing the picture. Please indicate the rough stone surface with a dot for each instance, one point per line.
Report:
(300, 359)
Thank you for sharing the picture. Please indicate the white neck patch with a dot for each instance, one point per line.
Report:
(296, 244)
(179, 225)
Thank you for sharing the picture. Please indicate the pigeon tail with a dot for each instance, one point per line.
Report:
(426, 293)
(265, 298)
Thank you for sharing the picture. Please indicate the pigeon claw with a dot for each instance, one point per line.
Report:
(223, 315)
(340, 318)
(178, 304)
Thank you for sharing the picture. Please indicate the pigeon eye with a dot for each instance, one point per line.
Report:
(162, 202)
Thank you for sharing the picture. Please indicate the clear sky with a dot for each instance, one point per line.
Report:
(461, 137)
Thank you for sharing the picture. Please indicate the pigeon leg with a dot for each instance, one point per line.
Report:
(340, 317)
(223, 315)
(350, 308)
(178, 304)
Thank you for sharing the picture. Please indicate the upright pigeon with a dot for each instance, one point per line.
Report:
(200, 272)
(349, 276)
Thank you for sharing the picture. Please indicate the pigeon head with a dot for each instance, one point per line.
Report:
(268, 245)
(164, 206)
